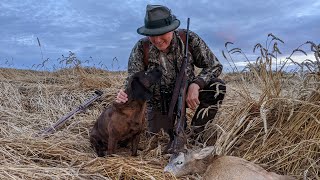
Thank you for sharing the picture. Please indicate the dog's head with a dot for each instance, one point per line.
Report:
(142, 81)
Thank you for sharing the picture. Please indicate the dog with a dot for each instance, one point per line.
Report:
(125, 121)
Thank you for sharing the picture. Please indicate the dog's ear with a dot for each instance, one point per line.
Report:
(139, 92)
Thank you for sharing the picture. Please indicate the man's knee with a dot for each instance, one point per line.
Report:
(213, 93)
(215, 84)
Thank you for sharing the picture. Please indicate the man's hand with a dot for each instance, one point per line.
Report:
(122, 97)
(193, 96)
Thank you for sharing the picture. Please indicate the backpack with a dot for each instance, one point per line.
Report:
(146, 46)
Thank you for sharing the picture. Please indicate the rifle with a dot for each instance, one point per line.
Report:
(78, 109)
(179, 94)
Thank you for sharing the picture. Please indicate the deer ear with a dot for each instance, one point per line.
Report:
(203, 153)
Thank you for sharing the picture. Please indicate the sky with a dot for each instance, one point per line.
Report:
(103, 32)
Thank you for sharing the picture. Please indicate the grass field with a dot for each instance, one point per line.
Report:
(269, 117)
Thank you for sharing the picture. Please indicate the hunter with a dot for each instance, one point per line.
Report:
(163, 47)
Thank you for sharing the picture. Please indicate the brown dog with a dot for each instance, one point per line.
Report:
(124, 122)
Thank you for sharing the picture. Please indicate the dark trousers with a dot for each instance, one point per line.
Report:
(210, 97)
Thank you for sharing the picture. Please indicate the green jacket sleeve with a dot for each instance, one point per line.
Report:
(204, 58)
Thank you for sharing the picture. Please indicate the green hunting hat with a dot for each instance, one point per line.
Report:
(158, 21)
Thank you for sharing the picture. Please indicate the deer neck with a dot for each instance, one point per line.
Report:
(202, 165)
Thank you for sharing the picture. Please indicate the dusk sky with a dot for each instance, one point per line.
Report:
(101, 30)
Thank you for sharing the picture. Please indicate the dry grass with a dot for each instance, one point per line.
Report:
(268, 117)
(32, 101)
(275, 123)
(281, 133)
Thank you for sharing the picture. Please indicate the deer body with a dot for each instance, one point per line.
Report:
(234, 168)
(218, 167)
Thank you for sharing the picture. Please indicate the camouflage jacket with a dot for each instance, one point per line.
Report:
(170, 63)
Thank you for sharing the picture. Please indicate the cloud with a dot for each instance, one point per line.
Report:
(299, 58)
(28, 40)
(107, 29)
(281, 61)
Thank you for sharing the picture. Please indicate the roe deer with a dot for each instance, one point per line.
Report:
(218, 167)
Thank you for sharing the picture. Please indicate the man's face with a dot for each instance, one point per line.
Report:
(163, 41)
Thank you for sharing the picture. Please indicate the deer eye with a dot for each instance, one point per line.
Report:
(178, 162)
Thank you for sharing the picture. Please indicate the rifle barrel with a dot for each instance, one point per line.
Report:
(187, 39)
(181, 111)
(80, 108)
